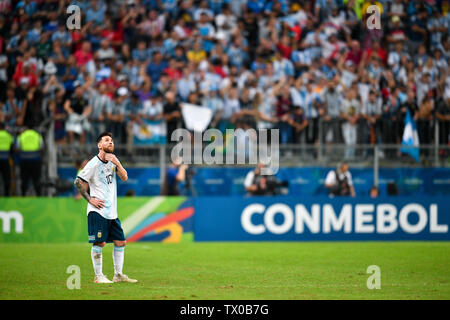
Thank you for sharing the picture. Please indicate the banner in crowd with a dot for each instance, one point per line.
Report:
(64, 220)
(196, 118)
(321, 219)
(306, 181)
(149, 132)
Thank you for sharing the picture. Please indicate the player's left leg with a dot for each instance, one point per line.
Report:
(118, 238)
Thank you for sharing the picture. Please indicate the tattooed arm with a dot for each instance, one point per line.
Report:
(82, 187)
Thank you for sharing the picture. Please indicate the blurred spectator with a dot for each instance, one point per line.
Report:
(443, 117)
(174, 175)
(78, 110)
(115, 114)
(392, 189)
(350, 110)
(374, 192)
(6, 149)
(133, 109)
(30, 145)
(172, 114)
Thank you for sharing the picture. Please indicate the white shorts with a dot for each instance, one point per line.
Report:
(77, 123)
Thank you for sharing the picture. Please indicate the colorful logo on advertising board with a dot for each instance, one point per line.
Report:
(160, 219)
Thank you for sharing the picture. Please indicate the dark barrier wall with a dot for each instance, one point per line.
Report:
(303, 181)
(319, 218)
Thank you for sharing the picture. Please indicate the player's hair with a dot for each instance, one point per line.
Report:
(104, 134)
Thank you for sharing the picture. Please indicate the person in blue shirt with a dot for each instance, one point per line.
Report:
(141, 53)
(34, 35)
(29, 7)
(174, 175)
(95, 13)
(156, 67)
(256, 6)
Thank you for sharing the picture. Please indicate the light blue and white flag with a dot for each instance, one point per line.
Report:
(149, 133)
(410, 139)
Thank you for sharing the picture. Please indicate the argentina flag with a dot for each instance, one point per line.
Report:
(410, 138)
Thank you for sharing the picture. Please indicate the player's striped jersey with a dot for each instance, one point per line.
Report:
(101, 177)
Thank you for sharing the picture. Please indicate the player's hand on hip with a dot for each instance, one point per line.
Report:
(99, 204)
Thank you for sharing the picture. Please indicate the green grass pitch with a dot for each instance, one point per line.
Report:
(301, 270)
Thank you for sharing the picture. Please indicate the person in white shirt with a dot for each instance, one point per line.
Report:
(339, 182)
(226, 22)
(99, 177)
(350, 110)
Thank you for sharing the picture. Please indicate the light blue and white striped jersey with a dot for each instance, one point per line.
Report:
(283, 68)
(101, 177)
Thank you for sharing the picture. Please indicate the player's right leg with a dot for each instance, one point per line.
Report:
(98, 233)
(97, 262)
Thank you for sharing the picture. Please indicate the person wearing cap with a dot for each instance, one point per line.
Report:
(30, 145)
(395, 19)
(396, 32)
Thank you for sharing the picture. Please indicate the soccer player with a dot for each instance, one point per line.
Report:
(99, 177)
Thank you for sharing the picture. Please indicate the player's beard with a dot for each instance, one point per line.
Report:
(108, 149)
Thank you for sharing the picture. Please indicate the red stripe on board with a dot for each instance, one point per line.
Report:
(173, 217)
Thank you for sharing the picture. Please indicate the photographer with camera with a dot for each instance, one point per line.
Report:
(174, 175)
(339, 182)
(260, 185)
(177, 173)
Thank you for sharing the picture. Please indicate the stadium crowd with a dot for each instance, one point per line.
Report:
(293, 65)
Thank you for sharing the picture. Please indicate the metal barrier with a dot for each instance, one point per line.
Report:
(320, 153)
